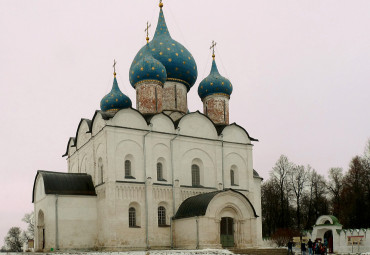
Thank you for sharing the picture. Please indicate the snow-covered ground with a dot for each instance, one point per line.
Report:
(151, 252)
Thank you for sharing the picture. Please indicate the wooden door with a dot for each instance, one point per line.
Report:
(227, 232)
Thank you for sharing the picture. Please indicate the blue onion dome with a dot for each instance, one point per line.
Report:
(214, 83)
(115, 100)
(178, 61)
(147, 68)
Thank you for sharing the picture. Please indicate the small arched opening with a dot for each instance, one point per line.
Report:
(40, 231)
(328, 240)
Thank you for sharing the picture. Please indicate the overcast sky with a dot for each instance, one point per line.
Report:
(300, 72)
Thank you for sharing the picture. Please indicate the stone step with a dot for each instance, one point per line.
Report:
(261, 251)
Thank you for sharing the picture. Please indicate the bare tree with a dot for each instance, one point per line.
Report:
(279, 174)
(30, 220)
(297, 180)
(335, 186)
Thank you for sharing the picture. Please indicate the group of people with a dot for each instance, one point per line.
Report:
(315, 247)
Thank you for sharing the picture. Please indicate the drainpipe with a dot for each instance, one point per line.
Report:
(146, 191)
(173, 185)
(56, 224)
(197, 223)
(222, 161)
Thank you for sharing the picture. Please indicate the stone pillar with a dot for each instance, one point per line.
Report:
(175, 97)
(149, 97)
(216, 107)
(177, 199)
(152, 211)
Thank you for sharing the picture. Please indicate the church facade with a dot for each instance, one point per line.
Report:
(156, 176)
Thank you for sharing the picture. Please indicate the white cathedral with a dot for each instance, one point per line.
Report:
(158, 176)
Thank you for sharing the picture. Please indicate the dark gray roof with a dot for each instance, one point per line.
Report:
(66, 183)
(256, 175)
(197, 205)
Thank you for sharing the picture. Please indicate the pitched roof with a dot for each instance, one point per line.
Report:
(66, 183)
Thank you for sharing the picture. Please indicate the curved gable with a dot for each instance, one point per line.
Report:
(98, 122)
(325, 219)
(162, 123)
(71, 147)
(38, 191)
(198, 205)
(128, 118)
(197, 124)
(235, 133)
(83, 133)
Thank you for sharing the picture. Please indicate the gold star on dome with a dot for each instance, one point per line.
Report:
(153, 68)
(141, 68)
(169, 60)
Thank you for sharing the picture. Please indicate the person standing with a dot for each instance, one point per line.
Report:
(303, 248)
(290, 247)
(309, 245)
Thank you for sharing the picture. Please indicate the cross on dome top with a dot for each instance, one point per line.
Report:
(213, 48)
(114, 67)
(148, 25)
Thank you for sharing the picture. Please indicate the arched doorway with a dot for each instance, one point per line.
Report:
(328, 237)
(40, 231)
(227, 232)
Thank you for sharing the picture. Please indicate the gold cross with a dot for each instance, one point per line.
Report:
(160, 4)
(147, 31)
(114, 67)
(213, 48)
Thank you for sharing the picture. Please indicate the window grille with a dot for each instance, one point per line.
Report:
(132, 217)
(195, 175)
(161, 216)
(127, 168)
(232, 177)
(159, 171)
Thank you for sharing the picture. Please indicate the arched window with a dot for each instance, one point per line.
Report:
(161, 216)
(132, 217)
(159, 171)
(232, 177)
(100, 171)
(127, 168)
(195, 175)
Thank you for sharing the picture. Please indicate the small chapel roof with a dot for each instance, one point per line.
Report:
(65, 183)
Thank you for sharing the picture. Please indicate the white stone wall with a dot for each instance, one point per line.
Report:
(195, 141)
(77, 218)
